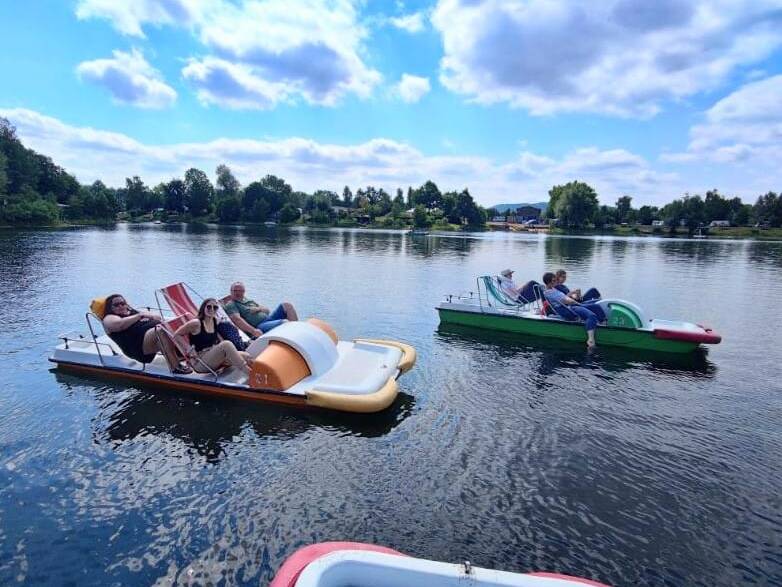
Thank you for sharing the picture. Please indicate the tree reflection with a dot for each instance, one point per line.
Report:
(210, 425)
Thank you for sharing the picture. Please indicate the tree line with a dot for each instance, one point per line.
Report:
(575, 205)
(35, 191)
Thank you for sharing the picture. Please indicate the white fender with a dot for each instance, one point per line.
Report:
(309, 341)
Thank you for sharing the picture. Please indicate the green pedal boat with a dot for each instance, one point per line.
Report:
(626, 324)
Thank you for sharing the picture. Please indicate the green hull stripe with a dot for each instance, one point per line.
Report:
(620, 337)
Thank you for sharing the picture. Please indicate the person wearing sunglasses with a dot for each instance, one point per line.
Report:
(209, 346)
(137, 334)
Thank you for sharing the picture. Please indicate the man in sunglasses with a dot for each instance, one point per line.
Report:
(253, 318)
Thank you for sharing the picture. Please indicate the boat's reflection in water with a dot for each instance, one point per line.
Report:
(210, 425)
(551, 354)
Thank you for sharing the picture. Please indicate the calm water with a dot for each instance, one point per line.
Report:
(509, 452)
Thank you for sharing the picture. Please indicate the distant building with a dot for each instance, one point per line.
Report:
(658, 223)
(719, 223)
(527, 213)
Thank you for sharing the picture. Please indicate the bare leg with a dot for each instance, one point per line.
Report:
(290, 311)
(591, 339)
(222, 353)
(156, 339)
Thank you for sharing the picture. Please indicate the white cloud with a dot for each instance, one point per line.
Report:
(231, 85)
(264, 51)
(618, 57)
(745, 125)
(412, 23)
(130, 79)
(412, 88)
(130, 17)
(309, 165)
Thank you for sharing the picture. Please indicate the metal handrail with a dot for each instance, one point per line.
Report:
(95, 338)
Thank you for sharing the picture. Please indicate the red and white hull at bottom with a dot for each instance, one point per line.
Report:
(353, 564)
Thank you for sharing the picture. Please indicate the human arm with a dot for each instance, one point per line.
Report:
(243, 325)
(114, 323)
(190, 327)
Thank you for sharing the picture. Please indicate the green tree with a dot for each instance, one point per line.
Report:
(229, 208)
(420, 217)
(136, 194)
(175, 195)
(3, 174)
(347, 197)
(428, 195)
(289, 213)
(199, 191)
(278, 193)
(624, 207)
(715, 207)
(768, 209)
(227, 184)
(646, 214)
(574, 203)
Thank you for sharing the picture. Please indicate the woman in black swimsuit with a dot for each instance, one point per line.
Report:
(136, 333)
(210, 347)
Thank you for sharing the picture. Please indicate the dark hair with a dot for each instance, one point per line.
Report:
(561, 272)
(202, 308)
(548, 277)
(110, 305)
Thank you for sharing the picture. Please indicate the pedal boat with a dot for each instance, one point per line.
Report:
(298, 364)
(343, 564)
(626, 326)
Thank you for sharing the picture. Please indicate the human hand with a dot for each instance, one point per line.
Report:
(256, 332)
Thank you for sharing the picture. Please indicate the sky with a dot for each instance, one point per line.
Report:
(504, 97)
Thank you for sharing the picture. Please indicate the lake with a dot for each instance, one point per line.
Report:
(516, 454)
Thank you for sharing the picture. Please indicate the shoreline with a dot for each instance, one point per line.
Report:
(718, 233)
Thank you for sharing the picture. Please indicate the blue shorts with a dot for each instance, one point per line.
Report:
(273, 320)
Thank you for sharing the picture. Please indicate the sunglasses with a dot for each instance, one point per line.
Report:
(115, 304)
(211, 307)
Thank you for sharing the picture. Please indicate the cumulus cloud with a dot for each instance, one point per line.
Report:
(618, 57)
(412, 23)
(230, 85)
(130, 17)
(309, 165)
(412, 88)
(745, 126)
(130, 79)
(261, 51)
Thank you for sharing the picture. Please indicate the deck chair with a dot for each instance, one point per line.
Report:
(494, 292)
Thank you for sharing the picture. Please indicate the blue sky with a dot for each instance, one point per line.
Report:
(507, 98)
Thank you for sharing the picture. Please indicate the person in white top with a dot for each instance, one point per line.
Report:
(523, 294)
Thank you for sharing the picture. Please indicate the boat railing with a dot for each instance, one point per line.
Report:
(88, 317)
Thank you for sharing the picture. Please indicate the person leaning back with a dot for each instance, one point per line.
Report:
(253, 318)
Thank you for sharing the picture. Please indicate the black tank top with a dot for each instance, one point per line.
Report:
(203, 340)
(131, 340)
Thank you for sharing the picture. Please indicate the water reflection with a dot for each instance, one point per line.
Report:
(210, 425)
(552, 355)
(568, 251)
(767, 253)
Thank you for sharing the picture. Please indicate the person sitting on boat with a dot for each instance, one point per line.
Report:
(210, 348)
(139, 334)
(591, 294)
(524, 294)
(569, 309)
(251, 317)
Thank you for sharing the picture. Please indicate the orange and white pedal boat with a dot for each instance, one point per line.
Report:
(298, 363)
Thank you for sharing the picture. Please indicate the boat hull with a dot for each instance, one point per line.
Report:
(336, 564)
(362, 378)
(572, 331)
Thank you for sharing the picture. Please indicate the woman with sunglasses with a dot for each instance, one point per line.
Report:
(137, 334)
(211, 349)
